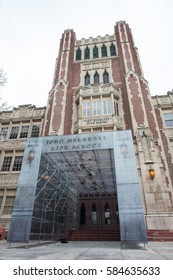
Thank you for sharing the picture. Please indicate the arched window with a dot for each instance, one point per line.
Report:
(96, 78)
(107, 214)
(87, 53)
(95, 52)
(82, 214)
(112, 50)
(87, 79)
(105, 77)
(94, 214)
(78, 54)
(104, 51)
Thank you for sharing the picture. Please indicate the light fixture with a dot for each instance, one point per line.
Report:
(31, 155)
(46, 177)
(151, 173)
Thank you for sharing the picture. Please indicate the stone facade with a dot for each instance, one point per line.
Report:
(16, 126)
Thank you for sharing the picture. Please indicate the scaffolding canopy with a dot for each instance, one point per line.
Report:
(57, 170)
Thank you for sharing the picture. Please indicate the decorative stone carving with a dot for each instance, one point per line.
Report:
(145, 143)
(11, 179)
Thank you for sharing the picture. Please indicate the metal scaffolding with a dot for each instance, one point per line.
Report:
(55, 205)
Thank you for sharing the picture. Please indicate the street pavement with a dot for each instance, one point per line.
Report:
(86, 250)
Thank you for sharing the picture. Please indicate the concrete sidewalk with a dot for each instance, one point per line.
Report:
(87, 250)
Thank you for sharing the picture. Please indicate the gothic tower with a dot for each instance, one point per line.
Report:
(99, 86)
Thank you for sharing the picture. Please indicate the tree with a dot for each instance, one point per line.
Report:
(3, 78)
(3, 81)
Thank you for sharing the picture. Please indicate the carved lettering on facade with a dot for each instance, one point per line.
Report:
(96, 121)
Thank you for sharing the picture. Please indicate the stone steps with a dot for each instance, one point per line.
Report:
(94, 235)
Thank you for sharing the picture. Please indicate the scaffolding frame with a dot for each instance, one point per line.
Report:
(55, 203)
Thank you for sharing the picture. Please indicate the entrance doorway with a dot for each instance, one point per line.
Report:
(99, 213)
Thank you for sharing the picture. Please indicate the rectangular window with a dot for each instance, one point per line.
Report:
(6, 164)
(14, 132)
(168, 119)
(86, 108)
(17, 163)
(3, 133)
(96, 108)
(1, 198)
(107, 107)
(24, 131)
(9, 203)
(116, 109)
(35, 130)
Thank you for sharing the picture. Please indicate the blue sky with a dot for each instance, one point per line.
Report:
(30, 32)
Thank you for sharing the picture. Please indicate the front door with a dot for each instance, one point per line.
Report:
(98, 213)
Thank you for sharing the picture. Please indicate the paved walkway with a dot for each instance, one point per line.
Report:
(87, 250)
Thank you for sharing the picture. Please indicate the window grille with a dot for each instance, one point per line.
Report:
(9, 203)
(96, 108)
(106, 107)
(3, 133)
(6, 164)
(35, 131)
(24, 131)
(86, 108)
(17, 163)
(14, 132)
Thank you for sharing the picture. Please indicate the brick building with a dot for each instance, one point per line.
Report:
(99, 87)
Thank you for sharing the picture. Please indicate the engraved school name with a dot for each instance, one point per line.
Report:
(75, 143)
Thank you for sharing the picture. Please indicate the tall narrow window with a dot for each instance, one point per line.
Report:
(96, 78)
(87, 53)
(86, 108)
(87, 79)
(78, 54)
(95, 52)
(8, 207)
(107, 214)
(17, 163)
(24, 131)
(104, 51)
(3, 133)
(96, 108)
(112, 50)
(94, 214)
(35, 130)
(105, 77)
(107, 107)
(82, 214)
(6, 164)
(116, 109)
(168, 119)
(14, 132)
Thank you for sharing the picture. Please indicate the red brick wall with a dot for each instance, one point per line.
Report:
(118, 72)
(159, 235)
